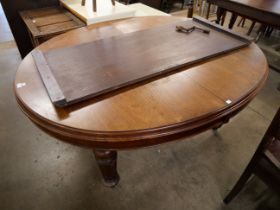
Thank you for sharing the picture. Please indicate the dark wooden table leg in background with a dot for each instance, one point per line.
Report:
(208, 10)
(220, 13)
(107, 162)
(232, 20)
(94, 5)
(190, 9)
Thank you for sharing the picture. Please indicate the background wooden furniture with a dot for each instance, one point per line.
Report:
(94, 6)
(12, 9)
(198, 7)
(242, 23)
(168, 5)
(204, 8)
(221, 15)
(157, 4)
(263, 11)
(45, 23)
(180, 105)
(265, 163)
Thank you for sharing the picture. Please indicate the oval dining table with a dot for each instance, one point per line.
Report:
(201, 97)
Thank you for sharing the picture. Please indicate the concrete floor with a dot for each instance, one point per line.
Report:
(39, 172)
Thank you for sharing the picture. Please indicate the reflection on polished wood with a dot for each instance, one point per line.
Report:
(179, 105)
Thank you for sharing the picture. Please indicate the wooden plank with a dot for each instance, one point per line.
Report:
(54, 91)
(51, 19)
(74, 18)
(104, 66)
(43, 12)
(56, 28)
(29, 23)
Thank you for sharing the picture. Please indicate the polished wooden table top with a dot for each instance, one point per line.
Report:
(264, 11)
(165, 109)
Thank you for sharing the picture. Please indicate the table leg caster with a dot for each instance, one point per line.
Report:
(107, 162)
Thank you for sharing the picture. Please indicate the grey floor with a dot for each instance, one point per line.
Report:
(39, 172)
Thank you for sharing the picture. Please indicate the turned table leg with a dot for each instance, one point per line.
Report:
(232, 20)
(107, 162)
(220, 124)
(94, 5)
(220, 13)
(190, 9)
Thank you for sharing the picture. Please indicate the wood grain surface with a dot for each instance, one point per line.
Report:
(180, 105)
(104, 66)
(50, 82)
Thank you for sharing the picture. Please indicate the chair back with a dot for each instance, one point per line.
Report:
(272, 133)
